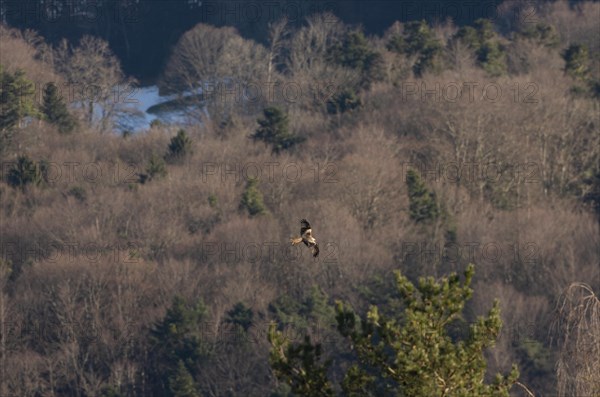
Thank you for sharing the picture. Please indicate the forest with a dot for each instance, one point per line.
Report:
(449, 168)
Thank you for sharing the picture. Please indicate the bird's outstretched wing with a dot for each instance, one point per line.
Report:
(305, 227)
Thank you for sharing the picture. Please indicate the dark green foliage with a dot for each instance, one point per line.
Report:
(492, 57)
(111, 392)
(423, 204)
(316, 307)
(417, 37)
(485, 30)
(78, 192)
(179, 147)
(156, 169)
(490, 54)
(429, 60)
(396, 44)
(252, 199)
(380, 291)
(55, 111)
(355, 52)
(213, 201)
(299, 365)
(409, 353)
(576, 58)
(536, 358)
(240, 315)
(358, 382)
(542, 33)
(419, 40)
(177, 340)
(313, 308)
(483, 40)
(414, 354)
(288, 310)
(343, 101)
(16, 98)
(274, 130)
(469, 36)
(451, 233)
(181, 383)
(24, 172)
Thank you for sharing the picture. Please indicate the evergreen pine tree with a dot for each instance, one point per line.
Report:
(483, 40)
(274, 130)
(240, 315)
(355, 52)
(542, 33)
(299, 365)
(16, 98)
(176, 339)
(421, 41)
(181, 383)
(422, 203)
(409, 353)
(55, 110)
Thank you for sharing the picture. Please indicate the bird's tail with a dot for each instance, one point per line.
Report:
(315, 250)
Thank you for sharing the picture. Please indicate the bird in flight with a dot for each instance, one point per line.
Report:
(306, 238)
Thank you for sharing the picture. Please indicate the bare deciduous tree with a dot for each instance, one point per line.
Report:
(95, 80)
(576, 329)
(214, 66)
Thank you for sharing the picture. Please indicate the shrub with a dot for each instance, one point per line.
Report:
(343, 101)
(157, 168)
(576, 58)
(24, 172)
(179, 146)
(78, 192)
(252, 199)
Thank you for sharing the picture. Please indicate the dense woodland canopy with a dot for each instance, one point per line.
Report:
(157, 262)
(142, 32)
